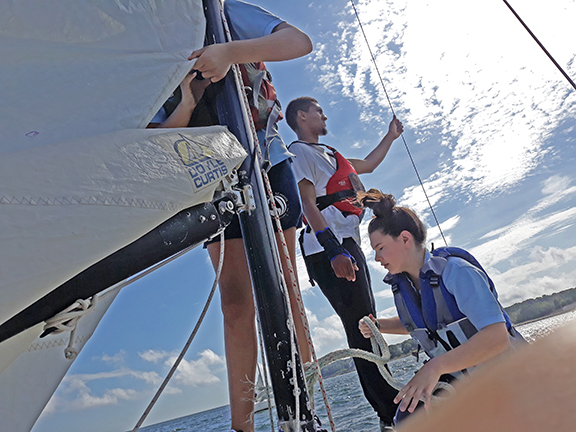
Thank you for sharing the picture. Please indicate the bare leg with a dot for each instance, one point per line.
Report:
(239, 330)
(290, 236)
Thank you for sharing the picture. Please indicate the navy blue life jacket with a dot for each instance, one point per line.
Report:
(431, 315)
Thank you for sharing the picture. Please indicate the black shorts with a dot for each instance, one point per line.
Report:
(286, 195)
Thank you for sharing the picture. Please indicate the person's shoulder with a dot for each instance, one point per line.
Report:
(457, 262)
(302, 148)
(249, 20)
(459, 273)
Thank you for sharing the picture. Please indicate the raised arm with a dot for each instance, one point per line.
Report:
(192, 91)
(376, 156)
(286, 42)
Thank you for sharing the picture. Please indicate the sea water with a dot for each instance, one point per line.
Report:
(350, 409)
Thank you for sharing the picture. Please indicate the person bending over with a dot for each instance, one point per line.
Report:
(444, 299)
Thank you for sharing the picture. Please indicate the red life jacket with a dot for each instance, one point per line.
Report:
(264, 104)
(342, 187)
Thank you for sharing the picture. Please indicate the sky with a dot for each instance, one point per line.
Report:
(490, 123)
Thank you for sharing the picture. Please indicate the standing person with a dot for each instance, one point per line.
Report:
(445, 300)
(331, 242)
(257, 36)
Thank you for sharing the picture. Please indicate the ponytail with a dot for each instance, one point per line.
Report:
(389, 218)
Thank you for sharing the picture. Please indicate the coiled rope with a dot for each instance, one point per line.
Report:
(402, 135)
(380, 356)
(190, 339)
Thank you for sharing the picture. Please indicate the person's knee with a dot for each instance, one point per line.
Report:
(238, 306)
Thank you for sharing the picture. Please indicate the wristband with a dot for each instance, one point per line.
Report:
(331, 245)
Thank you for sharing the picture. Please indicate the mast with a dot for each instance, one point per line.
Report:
(265, 268)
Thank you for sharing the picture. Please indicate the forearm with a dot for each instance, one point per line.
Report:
(485, 345)
(180, 117)
(375, 157)
(392, 326)
(285, 43)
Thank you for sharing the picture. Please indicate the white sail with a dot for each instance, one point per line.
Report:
(28, 383)
(66, 206)
(80, 177)
(76, 68)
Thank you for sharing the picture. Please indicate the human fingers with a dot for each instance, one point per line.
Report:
(197, 53)
(415, 401)
(403, 398)
(364, 329)
(352, 273)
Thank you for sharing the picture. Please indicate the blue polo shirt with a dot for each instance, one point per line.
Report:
(471, 289)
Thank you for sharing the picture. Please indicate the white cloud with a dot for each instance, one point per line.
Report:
(154, 356)
(492, 104)
(199, 372)
(518, 235)
(116, 358)
(327, 334)
(75, 393)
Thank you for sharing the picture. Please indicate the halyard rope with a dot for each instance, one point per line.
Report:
(392, 109)
(190, 339)
(251, 132)
(541, 46)
(265, 366)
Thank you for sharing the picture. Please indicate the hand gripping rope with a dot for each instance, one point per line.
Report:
(380, 356)
(392, 109)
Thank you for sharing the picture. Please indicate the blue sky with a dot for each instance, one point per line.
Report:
(491, 125)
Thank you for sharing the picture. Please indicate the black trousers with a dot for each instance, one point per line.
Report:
(352, 301)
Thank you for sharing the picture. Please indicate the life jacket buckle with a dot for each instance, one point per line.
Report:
(434, 281)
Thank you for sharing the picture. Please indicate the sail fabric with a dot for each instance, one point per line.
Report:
(28, 384)
(65, 206)
(75, 68)
(79, 176)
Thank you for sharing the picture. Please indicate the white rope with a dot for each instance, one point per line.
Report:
(265, 365)
(190, 339)
(67, 320)
(380, 356)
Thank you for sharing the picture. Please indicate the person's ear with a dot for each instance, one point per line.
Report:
(302, 114)
(406, 237)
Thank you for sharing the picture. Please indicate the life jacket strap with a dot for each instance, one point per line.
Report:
(327, 200)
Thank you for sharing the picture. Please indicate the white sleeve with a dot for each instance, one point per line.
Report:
(304, 165)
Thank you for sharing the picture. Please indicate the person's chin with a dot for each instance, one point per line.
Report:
(323, 132)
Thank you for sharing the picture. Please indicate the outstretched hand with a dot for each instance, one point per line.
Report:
(396, 128)
(213, 61)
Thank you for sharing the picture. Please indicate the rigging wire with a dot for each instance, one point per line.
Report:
(188, 342)
(392, 109)
(540, 44)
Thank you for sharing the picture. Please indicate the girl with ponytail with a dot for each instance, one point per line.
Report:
(444, 299)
